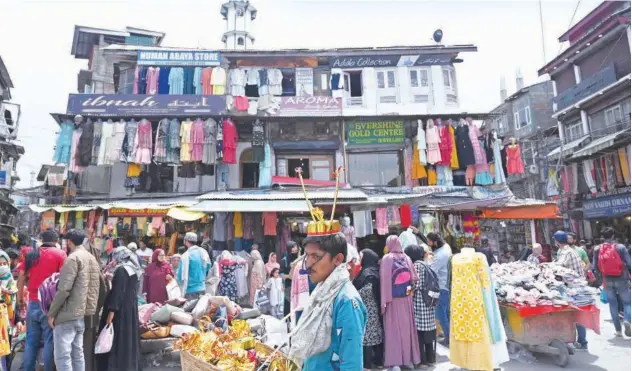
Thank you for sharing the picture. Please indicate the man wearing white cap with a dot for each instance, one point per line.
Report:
(194, 266)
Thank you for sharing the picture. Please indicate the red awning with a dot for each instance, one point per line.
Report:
(544, 211)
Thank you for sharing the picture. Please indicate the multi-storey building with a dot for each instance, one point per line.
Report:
(526, 117)
(592, 107)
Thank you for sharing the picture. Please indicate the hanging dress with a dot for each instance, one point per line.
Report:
(173, 142)
(96, 141)
(228, 281)
(454, 158)
(229, 131)
(107, 132)
(514, 160)
(432, 142)
(421, 142)
(129, 149)
(464, 145)
(63, 147)
(116, 147)
(209, 151)
(265, 168)
(84, 148)
(185, 140)
(74, 153)
(160, 148)
(419, 171)
(197, 140)
(445, 146)
(499, 173)
(143, 142)
(479, 154)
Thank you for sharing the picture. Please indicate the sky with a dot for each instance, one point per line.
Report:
(37, 36)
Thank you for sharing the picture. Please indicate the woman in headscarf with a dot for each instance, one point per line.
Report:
(424, 315)
(272, 264)
(8, 289)
(368, 285)
(121, 311)
(257, 275)
(157, 274)
(397, 279)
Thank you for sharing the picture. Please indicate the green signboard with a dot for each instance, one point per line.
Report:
(362, 133)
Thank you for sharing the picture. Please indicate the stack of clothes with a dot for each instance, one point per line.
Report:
(524, 283)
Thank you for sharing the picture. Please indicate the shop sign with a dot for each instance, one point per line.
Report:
(304, 82)
(363, 133)
(178, 58)
(310, 106)
(390, 60)
(588, 86)
(119, 211)
(606, 207)
(141, 105)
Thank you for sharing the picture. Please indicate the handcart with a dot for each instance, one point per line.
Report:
(547, 329)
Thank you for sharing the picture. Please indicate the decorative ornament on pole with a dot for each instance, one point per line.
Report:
(319, 226)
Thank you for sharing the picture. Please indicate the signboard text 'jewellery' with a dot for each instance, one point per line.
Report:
(144, 105)
(369, 132)
(178, 58)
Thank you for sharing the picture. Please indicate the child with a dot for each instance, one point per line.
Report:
(276, 293)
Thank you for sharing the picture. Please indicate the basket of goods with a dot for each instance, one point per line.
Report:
(233, 349)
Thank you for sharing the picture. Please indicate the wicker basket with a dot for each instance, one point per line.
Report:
(189, 363)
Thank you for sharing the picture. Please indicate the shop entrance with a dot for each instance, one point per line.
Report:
(249, 170)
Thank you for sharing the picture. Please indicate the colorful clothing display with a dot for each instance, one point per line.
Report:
(479, 154)
(128, 153)
(143, 142)
(197, 140)
(418, 171)
(185, 141)
(514, 160)
(63, 145)
(433, 155)
(229, 131)
(176, 81)
(454, 158)
(465, 150)
(445, 145)
(421, 143)
(160, 148)
(209, 151)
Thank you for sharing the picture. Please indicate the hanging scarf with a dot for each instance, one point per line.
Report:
(312, 334)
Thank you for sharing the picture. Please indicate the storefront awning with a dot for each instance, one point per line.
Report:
(601, 144)
(209, 206)
(62, 208)
(285, 194)
(522, 209)
(568, 147)
(185, 214)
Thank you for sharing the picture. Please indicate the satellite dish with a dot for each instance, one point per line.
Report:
(437, 35)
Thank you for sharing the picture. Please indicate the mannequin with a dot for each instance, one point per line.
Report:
(349, 231)
(432, 142)
(421, 142)
(482, 346)
(514, 158)
(497, 146)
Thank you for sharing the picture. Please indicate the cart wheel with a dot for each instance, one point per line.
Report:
(562, 358)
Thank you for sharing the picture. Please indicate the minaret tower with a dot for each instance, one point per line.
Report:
(239, 15)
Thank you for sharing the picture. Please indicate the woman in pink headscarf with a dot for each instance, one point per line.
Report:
(397, 279)
(272, 264)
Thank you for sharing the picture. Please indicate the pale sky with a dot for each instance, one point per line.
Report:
(37, 37)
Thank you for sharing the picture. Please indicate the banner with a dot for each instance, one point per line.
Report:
(140, 105)
(178, 58)
(119, 211)
(310, 106)
(362, 133)
(390, 60)
(304, 82)
(607, 207)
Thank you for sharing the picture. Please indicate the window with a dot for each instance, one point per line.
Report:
(449, 78)
(314, 167)
(419, 78)
(614, 115)
(240, 41)
(377, 169)
(386, 79)
(573, 132)
(522, 118)
(353, 83)
(126, 82)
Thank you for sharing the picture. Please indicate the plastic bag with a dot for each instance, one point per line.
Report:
(105, 340)
(173, 290)
(202, 307)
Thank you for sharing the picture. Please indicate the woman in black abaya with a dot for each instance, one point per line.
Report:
(121, 310)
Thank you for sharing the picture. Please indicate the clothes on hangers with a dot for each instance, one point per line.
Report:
(143, 142)
(197, 80)
(63, 146)
(96, 141)
(116, 143)
(445, 145)
(153, 74)
(185, 140)
(237, 81)
(163, 80)
(275, 80)
(197, 140)
(218, 81)
(209, 151)
(229, 131)
(432, 143)
(176, 81)
(205, 79)
(128, 153)
(454, 158)
(421, 143)
(514, 160)
(160, 149)
(465, 150)
(84, 147)
(74, 153)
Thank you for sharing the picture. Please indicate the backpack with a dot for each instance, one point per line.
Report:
(431, 291)
(610, 263)
(47, 291)
(401, 278)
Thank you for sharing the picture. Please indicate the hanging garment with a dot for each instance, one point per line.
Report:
(219, 142)
(74, 153)
(454, 158)
(205, 80)
(116, 147)
(173, 142)
(84, 149)
(63, 146)
(197, 140)
(589, 175)
(229, 131)
(479, 154)
(445, 145)
(470, 175)
(176, 81)
(432, 143)
(107, 130)
(143, 142)
(381, 221)
(136, 75)
(499, 174)
(408, 167)
(142, 80)
(617, 169)
(241, 104)
(406, 215)
(483, 177)
(258, 140)
(163, 80)
(188, 81)
(209, 151)
(624, 162)
(185, 141)
(392, 214)
(514, 160)
(444, 175)
(465, 150)
(197, 80)
(128, 153)
(160, 148)
(96, 141)
(265, 168)
(421, 142)
(218, 81)
(263, 82)
(132, 180)
(350, 236)
(419, 171)
(275, 80)
(237, 81)
(610, 174)
(363, 223)
(153, 74)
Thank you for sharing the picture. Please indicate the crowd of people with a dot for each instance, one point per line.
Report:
(363, 310)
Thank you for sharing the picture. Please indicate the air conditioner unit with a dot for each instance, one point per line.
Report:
(533, 169)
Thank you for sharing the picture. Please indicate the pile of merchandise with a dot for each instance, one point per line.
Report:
(524, 283)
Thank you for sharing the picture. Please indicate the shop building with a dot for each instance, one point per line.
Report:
(592, 108)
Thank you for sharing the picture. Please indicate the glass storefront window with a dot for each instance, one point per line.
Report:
(375, 169)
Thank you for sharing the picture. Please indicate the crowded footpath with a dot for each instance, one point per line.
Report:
(322, 305)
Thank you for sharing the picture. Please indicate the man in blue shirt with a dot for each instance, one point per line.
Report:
(617, 287)
(329, 334)
(194, 266)
(440, 263)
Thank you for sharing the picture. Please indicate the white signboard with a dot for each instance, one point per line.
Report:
(304, 82)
